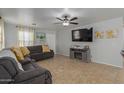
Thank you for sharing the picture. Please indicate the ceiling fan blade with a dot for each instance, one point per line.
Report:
(74, 18)
(74, 23)
(59, 19)
(58, 23)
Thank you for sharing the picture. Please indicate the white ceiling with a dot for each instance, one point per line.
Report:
(46, 17)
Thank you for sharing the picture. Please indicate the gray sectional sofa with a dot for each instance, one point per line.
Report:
(37, 53)
(25, 72)
(32, 74)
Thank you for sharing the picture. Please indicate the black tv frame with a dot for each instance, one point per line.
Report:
(80, 34)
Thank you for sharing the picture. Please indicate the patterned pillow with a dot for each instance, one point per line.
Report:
(25, 51)
(45, 48)
(18, 53)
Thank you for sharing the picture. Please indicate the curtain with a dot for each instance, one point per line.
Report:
(2, 43)
(25, 36)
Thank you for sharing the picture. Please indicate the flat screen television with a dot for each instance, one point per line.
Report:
(82, 35)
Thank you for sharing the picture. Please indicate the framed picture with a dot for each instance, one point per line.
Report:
(41, 37)
(99, 35)
(112, 33)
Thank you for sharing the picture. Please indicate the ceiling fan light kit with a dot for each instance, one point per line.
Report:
(66, 21)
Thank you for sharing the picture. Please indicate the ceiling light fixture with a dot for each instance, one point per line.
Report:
(65, 23)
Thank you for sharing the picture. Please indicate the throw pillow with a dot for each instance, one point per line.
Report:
(25, 51)
(18, 53)
(45, 48)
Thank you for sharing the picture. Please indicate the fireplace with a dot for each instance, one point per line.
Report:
(78, 55)
(83, 54)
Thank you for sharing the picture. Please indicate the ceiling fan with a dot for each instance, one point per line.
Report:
(66, 21)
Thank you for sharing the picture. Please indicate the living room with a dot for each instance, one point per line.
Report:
(45, 37)
(54, 46)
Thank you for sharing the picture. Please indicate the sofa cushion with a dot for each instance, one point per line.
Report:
(37, 56)
(18, 53)
(41, 56)
(25, 51)
(47, 54)
(35, 49)
(30, 66)
(26, 60)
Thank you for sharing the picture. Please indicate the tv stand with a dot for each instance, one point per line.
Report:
(83, 54)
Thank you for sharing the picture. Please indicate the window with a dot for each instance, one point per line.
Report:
(26, 36)
(1, 34)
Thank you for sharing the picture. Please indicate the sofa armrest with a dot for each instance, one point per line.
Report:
(31, 74)
(10, 65)
(51, 50)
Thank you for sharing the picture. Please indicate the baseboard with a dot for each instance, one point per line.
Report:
(62, 54)
(94, 61)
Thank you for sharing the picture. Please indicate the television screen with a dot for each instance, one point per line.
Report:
(82, 35)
